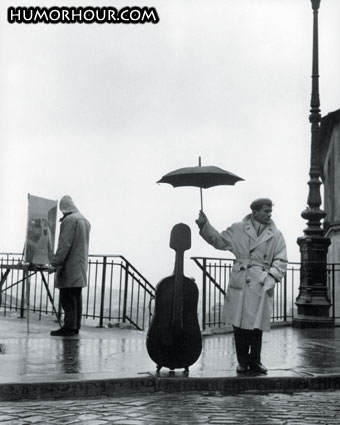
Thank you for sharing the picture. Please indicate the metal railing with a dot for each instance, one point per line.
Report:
(116, 292)
(215, 278)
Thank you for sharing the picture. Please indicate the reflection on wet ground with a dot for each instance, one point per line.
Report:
(65, 356)
(118, 353)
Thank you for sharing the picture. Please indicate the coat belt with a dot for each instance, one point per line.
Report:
(249, 263)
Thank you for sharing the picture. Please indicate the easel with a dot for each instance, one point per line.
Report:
(29, 270)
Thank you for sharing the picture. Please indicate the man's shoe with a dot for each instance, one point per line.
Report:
(64, 332)
(258, 368)
(241, 368)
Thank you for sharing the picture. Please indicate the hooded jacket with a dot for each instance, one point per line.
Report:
(260, 262)
(73, 246)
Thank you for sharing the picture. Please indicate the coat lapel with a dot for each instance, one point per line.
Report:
(263, 237)
(255, 241)
(249, 229)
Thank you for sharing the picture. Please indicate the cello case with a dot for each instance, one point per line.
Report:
(174, 338)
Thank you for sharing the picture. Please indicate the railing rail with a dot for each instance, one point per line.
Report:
(116, 292)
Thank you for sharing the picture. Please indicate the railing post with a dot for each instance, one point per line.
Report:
(333, 290)
(285, 298)
(204, 293)
(102, 297)
(125, 291)
(22, 304)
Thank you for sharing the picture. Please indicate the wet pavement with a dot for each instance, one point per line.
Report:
(107, 361)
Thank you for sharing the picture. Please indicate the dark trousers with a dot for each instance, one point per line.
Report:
(248, 343)
(72, 304)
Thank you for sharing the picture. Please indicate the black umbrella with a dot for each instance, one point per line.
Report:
(201, 176)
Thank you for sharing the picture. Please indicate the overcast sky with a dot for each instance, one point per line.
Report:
(101, 112)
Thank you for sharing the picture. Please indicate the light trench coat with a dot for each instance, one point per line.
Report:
(71, 257)
(249, 299)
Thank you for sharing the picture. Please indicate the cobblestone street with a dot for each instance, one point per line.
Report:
(194, 408)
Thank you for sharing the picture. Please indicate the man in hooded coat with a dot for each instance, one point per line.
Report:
(261, 262)
(71, 260)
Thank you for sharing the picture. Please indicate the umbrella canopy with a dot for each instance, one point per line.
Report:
(204, 177)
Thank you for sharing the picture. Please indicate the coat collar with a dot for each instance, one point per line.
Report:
(65, 215)
(267, 233)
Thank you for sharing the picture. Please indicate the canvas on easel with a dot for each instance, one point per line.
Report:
(41, 229)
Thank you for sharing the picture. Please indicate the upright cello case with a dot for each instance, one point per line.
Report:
(174, 338)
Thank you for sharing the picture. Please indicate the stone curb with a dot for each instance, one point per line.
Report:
(234, 385)
(75, 389)
(151, 384)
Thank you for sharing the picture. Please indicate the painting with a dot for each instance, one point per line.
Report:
(41, 229)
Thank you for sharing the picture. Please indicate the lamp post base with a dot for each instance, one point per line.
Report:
(313, 303)
(304, 322)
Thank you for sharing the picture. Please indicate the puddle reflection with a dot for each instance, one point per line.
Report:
(70, 359)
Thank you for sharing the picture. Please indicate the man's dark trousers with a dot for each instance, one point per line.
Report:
(72, 304)
(245, 340)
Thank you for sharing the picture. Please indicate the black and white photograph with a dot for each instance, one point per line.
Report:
(170, 212)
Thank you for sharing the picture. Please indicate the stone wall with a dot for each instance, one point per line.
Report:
(330, 157)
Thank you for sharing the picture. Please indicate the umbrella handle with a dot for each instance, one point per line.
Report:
(199, 164)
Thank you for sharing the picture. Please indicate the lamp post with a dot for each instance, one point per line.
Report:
(313, 303)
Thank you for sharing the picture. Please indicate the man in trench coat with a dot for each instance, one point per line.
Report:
(71, 259)
(261, 261)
